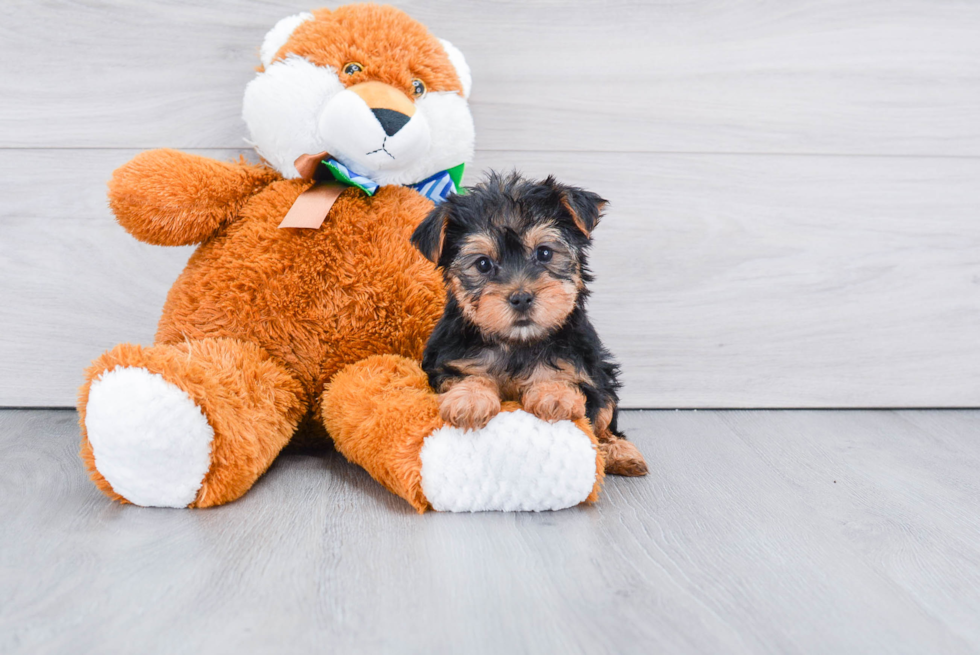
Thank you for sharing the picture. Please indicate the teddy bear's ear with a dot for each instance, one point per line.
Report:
(279, 35)
(459, 63)
(430, 235)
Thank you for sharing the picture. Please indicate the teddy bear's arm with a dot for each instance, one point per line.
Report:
(171, 198)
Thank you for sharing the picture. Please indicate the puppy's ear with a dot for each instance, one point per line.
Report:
(430, 235)
(584, 206)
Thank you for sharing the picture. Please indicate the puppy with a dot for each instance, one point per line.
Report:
(514, 257)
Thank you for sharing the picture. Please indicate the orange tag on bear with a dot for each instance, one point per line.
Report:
(313, 205)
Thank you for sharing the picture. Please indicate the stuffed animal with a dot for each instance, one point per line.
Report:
(305, 306)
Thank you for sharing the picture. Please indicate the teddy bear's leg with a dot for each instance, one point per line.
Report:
(383, 416)
(192, 424)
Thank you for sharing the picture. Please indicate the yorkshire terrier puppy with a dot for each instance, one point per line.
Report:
(514, 257)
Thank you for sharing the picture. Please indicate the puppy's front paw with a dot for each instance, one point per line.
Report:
(554, 401)
(470, 403)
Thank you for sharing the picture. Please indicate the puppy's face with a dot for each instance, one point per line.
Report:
(513, 253)
(515, 283)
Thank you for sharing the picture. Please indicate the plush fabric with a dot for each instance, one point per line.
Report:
(315, 300)
(378, 413)
(383, 416)
(170, 198)
(263, 318)
(517, 463)
(152, 441)
(296, 104)
(251, 402)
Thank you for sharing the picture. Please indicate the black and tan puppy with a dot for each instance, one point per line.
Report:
(514, 257)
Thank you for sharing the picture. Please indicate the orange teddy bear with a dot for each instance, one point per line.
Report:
(271, 331)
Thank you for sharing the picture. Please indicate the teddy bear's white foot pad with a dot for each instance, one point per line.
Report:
(151, 442)
(516, 463)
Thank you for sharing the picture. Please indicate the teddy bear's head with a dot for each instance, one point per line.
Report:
(368, 85)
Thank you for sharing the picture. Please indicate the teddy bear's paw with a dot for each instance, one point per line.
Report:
(151, 442)
(516, 463)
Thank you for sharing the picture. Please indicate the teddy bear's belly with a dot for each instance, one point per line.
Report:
(315, 300)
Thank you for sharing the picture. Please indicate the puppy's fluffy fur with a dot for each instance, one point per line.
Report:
(514, 258)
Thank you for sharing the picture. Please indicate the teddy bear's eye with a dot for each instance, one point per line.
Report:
(418, 87)
(352, 67)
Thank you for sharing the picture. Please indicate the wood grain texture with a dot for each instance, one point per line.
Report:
(756, 532)
(911, 472)
(725, 281)
(801, 76)
(769, 276)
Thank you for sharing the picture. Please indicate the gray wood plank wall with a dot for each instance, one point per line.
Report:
(795, 186)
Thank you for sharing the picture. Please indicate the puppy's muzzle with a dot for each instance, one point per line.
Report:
(521, 301)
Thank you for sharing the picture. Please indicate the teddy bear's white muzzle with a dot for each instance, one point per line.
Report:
(367, 140)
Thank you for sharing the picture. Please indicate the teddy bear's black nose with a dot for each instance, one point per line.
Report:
(391, 120)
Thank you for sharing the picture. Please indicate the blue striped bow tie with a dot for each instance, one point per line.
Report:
(436, 188)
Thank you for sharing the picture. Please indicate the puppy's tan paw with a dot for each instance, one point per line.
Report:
(622, 458)
(554, 401)
(470, 403)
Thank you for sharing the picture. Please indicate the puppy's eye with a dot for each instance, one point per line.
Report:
(352, 67)
(543, 254)
(418, 87)
(484, 265)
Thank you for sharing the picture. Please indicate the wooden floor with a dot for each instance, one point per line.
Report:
(756, 532)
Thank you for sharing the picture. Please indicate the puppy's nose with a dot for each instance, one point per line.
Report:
(521, 300)
(391, 120)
